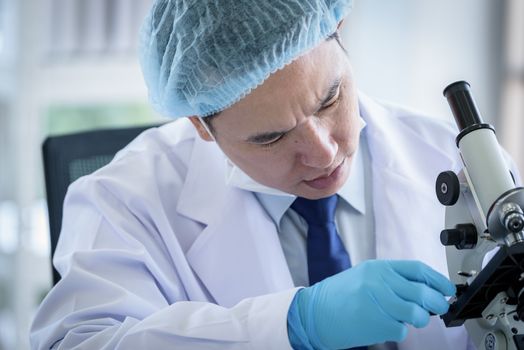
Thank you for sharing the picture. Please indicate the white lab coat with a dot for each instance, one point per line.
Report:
(157, 252)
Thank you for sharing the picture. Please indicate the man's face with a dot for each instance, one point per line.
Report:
(299, 130)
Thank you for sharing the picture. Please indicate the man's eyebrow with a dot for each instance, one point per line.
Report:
(272, 135)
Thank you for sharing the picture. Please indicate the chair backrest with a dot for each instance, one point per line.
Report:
(68, 157)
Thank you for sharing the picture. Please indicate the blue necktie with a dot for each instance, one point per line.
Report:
(326, 254)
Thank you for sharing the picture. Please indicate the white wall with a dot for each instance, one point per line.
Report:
(408, 51)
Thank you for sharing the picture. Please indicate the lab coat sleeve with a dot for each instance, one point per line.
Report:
(182, 325)
(120, 289)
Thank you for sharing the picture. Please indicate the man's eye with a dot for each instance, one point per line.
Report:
(272, 142)
(332, 102)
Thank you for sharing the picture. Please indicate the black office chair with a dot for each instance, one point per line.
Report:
(68, 157)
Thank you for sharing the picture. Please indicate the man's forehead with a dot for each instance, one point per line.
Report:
(295, 90)
(312, 73)
(314, 66)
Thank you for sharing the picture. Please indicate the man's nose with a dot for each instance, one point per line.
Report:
(317, 149)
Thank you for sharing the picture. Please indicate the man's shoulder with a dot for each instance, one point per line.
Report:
(157, 159)
(425, 125)
(413, 132)
(410, 141)
(169, 138)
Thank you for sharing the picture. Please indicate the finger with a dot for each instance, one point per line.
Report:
(401, 332)
(399, 309)
(419, 293)
(420, 272)
(387, 329)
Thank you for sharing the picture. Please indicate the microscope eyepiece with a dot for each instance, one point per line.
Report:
(462, 104)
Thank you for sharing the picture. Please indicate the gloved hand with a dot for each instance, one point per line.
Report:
(369, 304)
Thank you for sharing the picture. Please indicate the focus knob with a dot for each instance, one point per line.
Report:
(447, 188)
(463, 236)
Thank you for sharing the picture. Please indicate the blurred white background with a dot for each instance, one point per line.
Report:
(69, 65)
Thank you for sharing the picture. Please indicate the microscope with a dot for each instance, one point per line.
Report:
(484, 233)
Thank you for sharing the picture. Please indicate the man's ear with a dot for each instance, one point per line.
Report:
(203, 132)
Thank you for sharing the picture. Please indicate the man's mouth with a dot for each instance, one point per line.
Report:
(325, 181)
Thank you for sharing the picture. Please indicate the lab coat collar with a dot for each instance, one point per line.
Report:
(238, 243)
(204, 186)
(353, 190)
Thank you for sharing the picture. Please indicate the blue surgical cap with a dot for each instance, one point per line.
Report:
(199, 57)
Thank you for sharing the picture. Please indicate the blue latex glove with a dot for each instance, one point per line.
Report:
(367, 304)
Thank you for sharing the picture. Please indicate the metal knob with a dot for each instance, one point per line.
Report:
(463, 236)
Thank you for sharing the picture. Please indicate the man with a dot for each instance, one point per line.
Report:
(287, 210)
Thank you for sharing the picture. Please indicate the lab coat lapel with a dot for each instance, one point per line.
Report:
(238, 254)
(408, 216)
(405, 204)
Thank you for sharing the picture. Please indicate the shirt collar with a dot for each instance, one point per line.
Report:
(353, 190)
